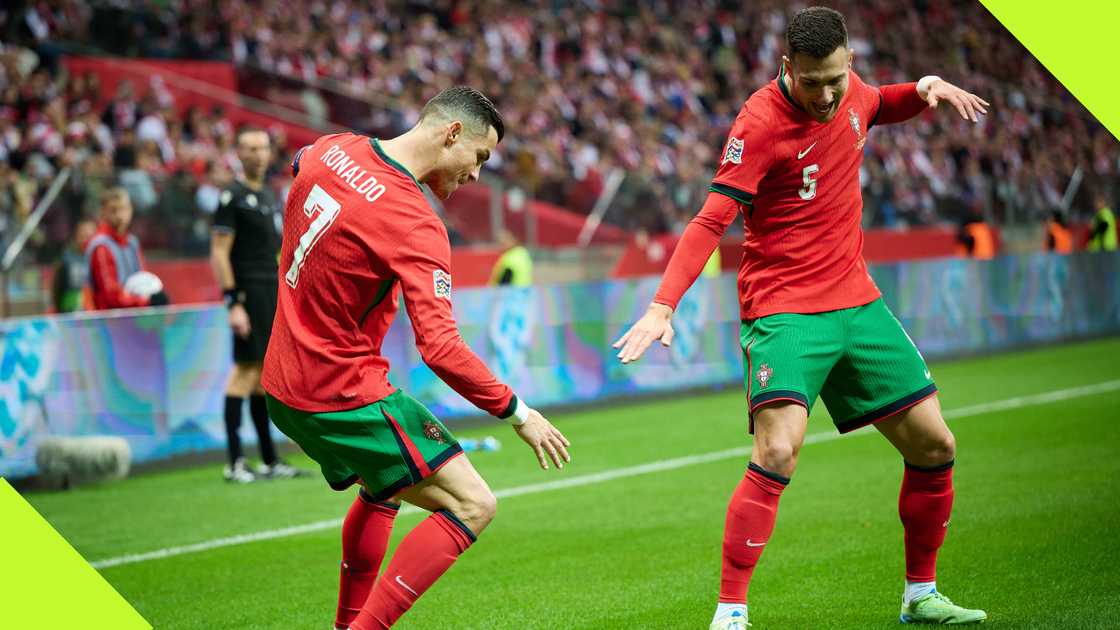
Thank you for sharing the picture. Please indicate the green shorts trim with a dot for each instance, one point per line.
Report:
(859, 360)
(389, 445)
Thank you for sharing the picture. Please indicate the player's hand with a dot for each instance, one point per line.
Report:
(967, 104)
(544, 439)
(655, 325)
(239, 321)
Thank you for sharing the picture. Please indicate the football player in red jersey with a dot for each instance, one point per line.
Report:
(813, 322)
(357, 231)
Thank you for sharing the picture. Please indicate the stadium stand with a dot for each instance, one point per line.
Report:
(588, 90)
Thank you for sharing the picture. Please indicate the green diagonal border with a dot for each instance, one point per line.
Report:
(1076, 42)
(45, 583)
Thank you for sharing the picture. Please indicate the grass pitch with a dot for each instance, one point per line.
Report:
(1034, 535)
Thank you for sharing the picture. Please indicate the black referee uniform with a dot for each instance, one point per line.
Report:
(255, 218)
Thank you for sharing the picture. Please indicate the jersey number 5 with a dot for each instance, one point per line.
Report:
(318, 201)
(809, 190)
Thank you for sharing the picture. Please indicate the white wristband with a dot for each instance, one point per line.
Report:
(520, 413)
(925, 82)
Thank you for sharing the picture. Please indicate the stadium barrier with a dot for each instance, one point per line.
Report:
(156, 376)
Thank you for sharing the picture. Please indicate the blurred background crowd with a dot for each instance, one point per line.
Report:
(586, 88)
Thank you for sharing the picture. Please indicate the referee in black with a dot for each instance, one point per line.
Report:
(244, 244)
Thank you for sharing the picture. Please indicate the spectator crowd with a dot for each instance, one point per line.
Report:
(649, 88)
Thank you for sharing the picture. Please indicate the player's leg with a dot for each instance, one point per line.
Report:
(779, 431)
(242, 379)
(365, 539)
(883, 380)
(462, 505)
(786, 357)
(925, 504)
(329, 439)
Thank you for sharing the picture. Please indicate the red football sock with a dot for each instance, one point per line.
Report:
(750, 520)
(924, 506)
(365, 537)
(424, 554)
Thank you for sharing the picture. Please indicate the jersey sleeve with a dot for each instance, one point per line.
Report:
(422, 262)
(225, 218)
(897, 103)
(699, 240)
(747, 156)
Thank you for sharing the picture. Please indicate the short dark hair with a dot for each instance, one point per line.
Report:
(469, 105)
(244, 129)
(817, 32)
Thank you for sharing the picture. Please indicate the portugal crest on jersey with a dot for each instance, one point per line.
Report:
(861, 138)
(764, 373)
(734, 153)
(433, 432)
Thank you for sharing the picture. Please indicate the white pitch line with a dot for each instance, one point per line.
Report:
(1017, 402)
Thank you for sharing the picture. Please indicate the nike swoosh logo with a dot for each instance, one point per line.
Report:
(749, 543)
(801, 154)
(927, 374)
(406, 586)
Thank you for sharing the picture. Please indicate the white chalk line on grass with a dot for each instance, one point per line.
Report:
(1006, 404)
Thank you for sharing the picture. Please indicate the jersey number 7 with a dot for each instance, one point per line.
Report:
(318, 201)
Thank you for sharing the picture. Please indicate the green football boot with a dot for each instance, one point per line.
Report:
(935, 608)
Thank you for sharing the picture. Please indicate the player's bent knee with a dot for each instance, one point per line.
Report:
(934, 450)
(943, 449)
(778, 456)
(477, 509)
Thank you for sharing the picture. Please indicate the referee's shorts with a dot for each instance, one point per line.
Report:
(260, 304)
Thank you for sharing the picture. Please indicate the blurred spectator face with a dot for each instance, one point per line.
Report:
(506, 239)
(817, 85)
(254, 149)
(116, 210)
(461, 159)
(83, 232)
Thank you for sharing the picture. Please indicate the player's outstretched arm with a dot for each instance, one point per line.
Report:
(421, 264)
(967, 104)
(699, 240)
(655, 325)
(546, 440)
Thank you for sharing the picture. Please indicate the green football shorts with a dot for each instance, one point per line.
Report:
(858, 359)
(390, 444)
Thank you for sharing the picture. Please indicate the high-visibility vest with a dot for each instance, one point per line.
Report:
(1104, 242)
(125, 258)
(1061, 237)
(520, 265)
(983, 242)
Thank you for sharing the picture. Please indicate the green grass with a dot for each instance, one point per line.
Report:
(1033, 540)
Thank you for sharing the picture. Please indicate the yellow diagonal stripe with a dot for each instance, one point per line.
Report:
(45, 583)
(1075, 41)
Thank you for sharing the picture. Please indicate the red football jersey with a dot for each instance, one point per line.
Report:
(356, 226)
(796, 182)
